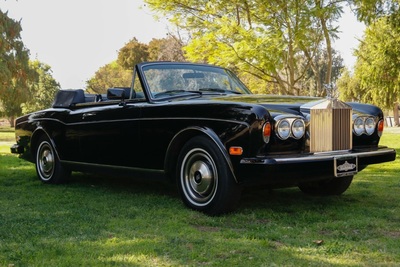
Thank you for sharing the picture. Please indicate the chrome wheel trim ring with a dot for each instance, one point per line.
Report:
(199, 177)
(45, 161)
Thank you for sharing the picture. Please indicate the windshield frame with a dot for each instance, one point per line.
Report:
(232, 79)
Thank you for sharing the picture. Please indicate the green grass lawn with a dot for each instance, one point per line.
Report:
(110, 221)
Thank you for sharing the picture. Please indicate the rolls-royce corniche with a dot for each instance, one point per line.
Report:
(199, 126)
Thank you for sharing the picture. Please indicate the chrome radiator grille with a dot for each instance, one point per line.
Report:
(330, 126)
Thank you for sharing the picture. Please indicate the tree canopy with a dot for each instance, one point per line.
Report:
(370, 11)
(108, 76)
(119, 73)
(15, 72)
(268, 39)
(376, 77)
(42, 90)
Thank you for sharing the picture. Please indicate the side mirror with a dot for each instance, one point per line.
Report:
(118, 93)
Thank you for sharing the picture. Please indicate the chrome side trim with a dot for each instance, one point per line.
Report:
(143, 119)
(110, 166)
(315, 157)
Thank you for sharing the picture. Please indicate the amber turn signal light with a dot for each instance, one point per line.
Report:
(235, 150)
(381, 125)
(266, 132)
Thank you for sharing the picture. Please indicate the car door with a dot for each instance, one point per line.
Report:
(108, 133)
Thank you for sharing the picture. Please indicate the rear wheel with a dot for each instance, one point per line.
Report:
(335, 186)
(48, 166)
(204, 179)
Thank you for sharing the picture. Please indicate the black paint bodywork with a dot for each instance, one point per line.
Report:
(144, 135)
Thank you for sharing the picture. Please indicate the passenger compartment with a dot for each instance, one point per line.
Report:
(72, 97)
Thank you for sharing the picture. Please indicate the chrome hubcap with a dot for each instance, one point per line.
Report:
(199, 177)
(45, 161)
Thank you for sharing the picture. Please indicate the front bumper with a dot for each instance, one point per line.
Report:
(17, 149)
(290, 169)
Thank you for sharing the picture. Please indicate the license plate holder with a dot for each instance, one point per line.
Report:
(345, 166)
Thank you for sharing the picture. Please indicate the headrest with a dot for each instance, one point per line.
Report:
(68, 98)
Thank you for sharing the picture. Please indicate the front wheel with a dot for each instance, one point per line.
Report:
(48, 166)
(335, 186)
(204, 179)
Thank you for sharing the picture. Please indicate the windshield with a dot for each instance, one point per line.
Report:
(172, 79)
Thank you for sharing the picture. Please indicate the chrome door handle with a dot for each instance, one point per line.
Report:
(89, 114)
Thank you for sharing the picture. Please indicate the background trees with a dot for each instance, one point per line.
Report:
(15, 73)
(108, 76)
(119, 73)
(376, 77)
(42, 90)
(166, 49)
(275, 41)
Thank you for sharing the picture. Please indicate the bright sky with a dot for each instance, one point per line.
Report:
(77, 37)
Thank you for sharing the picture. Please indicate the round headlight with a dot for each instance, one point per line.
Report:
(298, 128)
(370, 125)
(283, 129)
(358, 126)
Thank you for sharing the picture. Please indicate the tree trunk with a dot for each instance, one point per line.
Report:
(325, 30)
(12, 121)
(396, 114)
(328, 78)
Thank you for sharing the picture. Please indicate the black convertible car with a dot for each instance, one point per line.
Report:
(199, 126)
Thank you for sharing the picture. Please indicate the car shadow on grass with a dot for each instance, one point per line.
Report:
(123, 183)
(291, 200)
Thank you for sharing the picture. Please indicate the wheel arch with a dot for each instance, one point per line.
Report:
(179, 140)
(37, 134)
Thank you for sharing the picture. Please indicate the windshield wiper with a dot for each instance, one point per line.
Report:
(172, 92)
(219, 90)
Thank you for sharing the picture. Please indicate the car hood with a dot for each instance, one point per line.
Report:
(275, 104)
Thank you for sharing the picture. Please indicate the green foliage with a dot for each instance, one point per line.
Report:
(132, 53)
(267, 39)
(369, 11)
(166, 49)
(14, 67)
(108, 76)
(110, 221)
(119, 72)
(378, 65)
(349, 87)
(42, 90)
(316, 76)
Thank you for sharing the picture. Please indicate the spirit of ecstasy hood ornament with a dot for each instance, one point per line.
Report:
(332, 91)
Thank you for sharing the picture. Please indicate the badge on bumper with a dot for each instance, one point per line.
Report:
(345, 166)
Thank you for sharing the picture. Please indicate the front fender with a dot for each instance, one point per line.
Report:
(185, 135)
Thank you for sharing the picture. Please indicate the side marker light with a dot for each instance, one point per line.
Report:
(235, 151)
